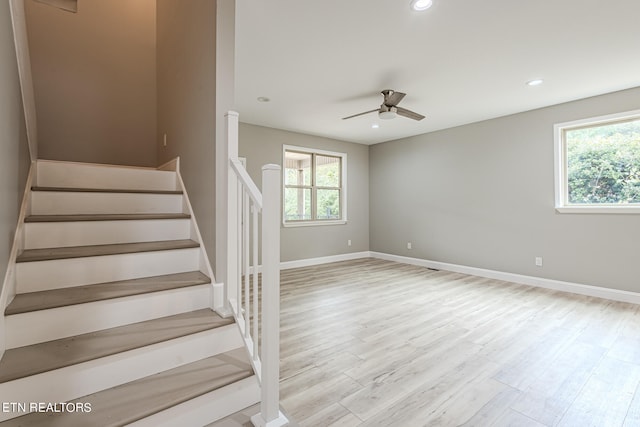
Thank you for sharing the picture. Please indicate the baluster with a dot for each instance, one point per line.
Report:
(245, 244)
(256, 312)
(240, 200)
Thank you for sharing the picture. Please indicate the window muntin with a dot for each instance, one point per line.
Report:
(598, 164)
(314, 187)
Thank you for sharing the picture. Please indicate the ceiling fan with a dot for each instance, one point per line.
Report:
(389, 108)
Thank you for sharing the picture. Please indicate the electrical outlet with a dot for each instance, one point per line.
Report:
(408, 245)
(349, 242)
(539, 261)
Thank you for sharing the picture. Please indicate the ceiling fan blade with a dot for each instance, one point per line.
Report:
(394, 99)
(360, 114)
(409, 114)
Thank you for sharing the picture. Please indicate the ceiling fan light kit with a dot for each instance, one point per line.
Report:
(392, 113)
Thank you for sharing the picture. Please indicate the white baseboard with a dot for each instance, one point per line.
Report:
(323, 260)
(557, 285)
(539, 282)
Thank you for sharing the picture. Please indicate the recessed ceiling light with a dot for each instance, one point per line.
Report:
(375, 126)
(420, 5)
(535, 82)
(263, 99)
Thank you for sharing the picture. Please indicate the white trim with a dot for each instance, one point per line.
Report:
(539, 282)
(205, 265)
(323, 260)
(312, 223)
(599, 119)
(310, 150)
(559, 167)
(594, 209)
(561, 189)
(9, 286)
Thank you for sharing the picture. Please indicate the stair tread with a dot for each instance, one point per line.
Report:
(104, 190)
(103, 217)
(47, 254)
(43, 357)
(133, 401)
(43, 300)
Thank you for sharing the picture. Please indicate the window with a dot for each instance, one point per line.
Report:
(314, 187)
(598, 164)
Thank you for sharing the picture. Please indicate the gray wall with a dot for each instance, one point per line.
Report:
(94, 81)
(482, 195)
(186, 42)
(261, 145)
(14, 155)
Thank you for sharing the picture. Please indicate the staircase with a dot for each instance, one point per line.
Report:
(112, 321)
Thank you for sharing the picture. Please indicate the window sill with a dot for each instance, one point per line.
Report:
(313, 223)
(598, 209)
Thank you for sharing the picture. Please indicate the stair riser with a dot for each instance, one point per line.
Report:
(207, 408)
(70, 203)
(61, 322)
(55, 274)
(64, 234)
(78, 175)
(85, 378)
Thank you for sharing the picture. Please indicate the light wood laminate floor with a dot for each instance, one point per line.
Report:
(376, 343)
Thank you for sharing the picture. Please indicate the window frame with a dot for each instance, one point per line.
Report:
(343, 187)
(561, 181)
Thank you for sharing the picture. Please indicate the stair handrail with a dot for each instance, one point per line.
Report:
(253, 235)
(246, 181)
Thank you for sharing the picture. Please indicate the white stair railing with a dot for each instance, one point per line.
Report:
(253, 235)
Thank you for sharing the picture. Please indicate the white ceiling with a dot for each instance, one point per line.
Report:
(459, 62)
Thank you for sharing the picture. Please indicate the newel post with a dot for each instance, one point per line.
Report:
(231, 283)
(270, 415)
